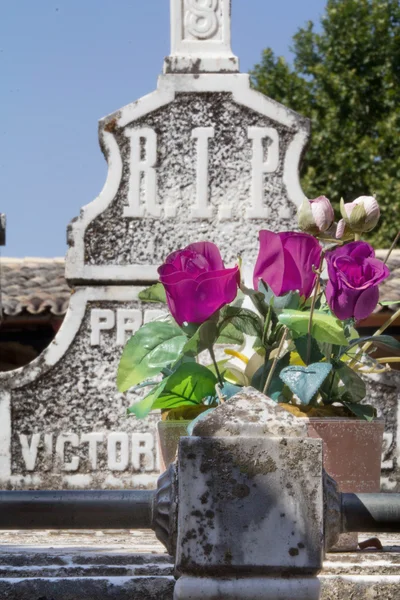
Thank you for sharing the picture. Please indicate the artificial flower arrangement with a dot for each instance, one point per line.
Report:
(309, 290)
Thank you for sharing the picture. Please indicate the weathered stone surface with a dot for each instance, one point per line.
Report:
(112, 239)
(250, 414)
(34, 556)
(106, 588)
(250, 505)
(63, 421)
(204, 157)
(249, 588)
(384, 394)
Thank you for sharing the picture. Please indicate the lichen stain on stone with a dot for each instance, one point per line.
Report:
(111, 126)
(294, 552)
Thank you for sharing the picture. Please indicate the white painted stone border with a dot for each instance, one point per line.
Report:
(168, 86)
(56, 350)
(203, 49)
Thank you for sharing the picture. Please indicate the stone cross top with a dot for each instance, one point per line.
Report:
(201, 37)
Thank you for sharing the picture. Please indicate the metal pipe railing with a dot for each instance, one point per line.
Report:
(65, 509)
(132, 509)
(371, 512)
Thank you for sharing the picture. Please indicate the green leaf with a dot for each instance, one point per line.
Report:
(325, 328)
(189, 385)
(153, 347)
(276, 386)
(141, 409)
(301, 344)
(242, 319)
(389, 302)
(155, 293)
(354, 385)
(231, 335)
(257, 299)
(204, 338)
(363, 411)
(306, 381)
(289, 301)
(381, 341)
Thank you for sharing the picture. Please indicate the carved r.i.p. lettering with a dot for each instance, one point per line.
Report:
(202, 210)
(142, 196)
(258, 209)
(143, 176)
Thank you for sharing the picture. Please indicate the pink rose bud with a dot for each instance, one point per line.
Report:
(362, 215)
(316, 216)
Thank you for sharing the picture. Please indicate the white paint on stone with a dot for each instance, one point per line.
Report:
(128, 322)
(5, 435)
(71, 439)
(143, 446)
(118, 451)
(101, 319)
(202, 210)
(143, 141)
(93, 439)
(30, 449)
(200, 37)
(259, 209)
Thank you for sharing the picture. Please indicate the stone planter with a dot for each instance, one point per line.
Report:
(168, 434)
(352, 456)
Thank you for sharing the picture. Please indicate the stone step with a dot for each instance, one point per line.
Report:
(87, 588)
(122, 571)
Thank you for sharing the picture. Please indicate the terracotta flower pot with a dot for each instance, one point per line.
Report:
(168, 434)
(352, 456)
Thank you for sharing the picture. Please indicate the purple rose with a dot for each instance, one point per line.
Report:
(285, 262)
(354, 275)
(197, 283)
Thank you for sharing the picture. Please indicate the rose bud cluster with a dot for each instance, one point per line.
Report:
(315, 216)
(360, 216)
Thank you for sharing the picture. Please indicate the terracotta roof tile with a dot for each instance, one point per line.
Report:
(33, 285)
(37, 285)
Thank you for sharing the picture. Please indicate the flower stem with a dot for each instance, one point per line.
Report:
(388, 359)
(392, 247)
(312, 309)
(385, 326)
(273, 366)
(219, 376)
(266, 326)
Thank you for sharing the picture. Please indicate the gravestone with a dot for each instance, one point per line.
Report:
(204, 157)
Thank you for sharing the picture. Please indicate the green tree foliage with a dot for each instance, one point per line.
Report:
(346, 79)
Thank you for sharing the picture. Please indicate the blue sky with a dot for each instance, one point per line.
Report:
(64, 64)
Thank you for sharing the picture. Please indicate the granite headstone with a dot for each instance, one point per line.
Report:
(204, 157)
